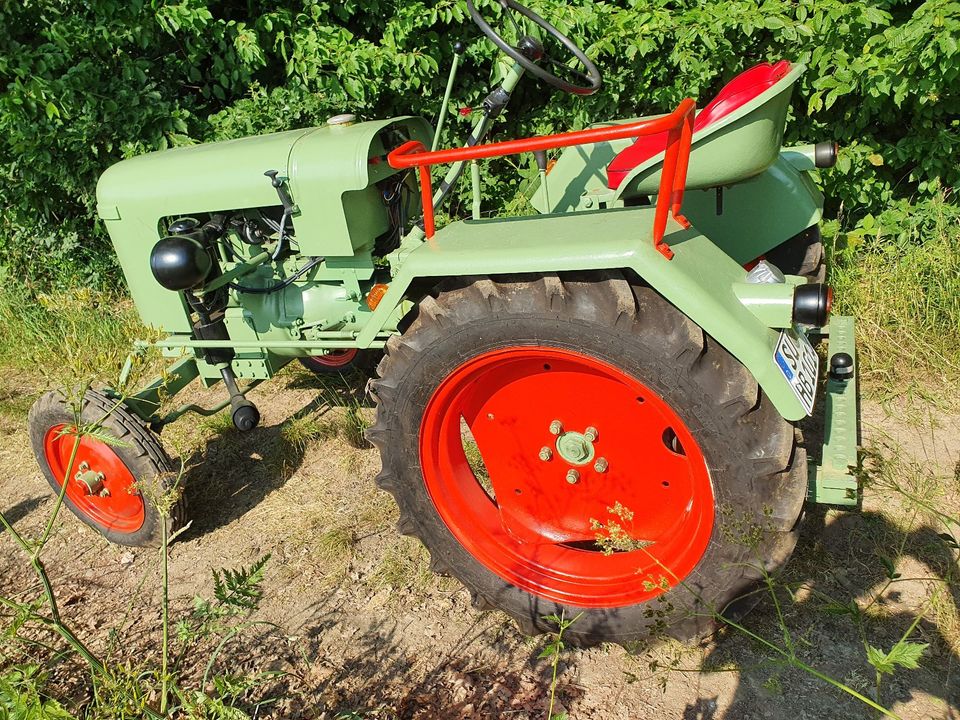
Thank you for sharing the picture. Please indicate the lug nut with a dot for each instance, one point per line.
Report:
(601, 465)
(590, 434)
(556, 427)
(546, 453)
(573, 477)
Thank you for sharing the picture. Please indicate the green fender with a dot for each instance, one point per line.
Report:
(699, 280)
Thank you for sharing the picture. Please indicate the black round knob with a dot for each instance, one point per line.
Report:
(841, 366)
(825, 154)
(530, 48)
(180, 262)
(246, 417)
(272, 174)
(459, 47)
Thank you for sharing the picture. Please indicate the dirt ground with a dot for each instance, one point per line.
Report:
(359, 627)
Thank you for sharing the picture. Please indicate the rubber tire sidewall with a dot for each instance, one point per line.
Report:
(140, 452)
(803, 255)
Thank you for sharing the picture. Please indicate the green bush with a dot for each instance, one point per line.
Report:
(86, 84)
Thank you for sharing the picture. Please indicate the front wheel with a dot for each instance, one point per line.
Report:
(118, 473)
(579, 446)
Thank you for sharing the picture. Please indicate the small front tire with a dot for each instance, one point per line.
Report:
(106, 484)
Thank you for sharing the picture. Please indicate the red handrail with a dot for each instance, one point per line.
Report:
(678, 125)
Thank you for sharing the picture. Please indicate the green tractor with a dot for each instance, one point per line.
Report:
(630, 376)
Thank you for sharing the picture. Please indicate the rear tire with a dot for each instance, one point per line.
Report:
(603, 341)
(115, 506)
(801, 255)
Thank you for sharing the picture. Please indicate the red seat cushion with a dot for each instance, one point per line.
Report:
(736, 93)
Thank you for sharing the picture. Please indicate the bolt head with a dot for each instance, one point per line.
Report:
(546, 453)
(591, 434)
(573, 477)
(601, 465)
(556, 427)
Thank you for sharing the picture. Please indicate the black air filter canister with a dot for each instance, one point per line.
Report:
(180, 262)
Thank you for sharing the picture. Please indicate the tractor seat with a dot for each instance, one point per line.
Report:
(736, 93)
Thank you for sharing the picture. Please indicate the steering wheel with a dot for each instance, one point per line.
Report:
(530, 53)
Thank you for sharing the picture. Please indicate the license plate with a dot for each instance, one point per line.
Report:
(799, 363)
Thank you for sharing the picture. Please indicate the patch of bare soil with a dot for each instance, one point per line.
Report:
(355, 625)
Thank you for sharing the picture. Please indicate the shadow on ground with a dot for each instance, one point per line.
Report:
(234, 471)
(351, 670)
(22, 509)
(836, 563)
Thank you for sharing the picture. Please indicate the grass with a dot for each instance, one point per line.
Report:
(22, 695)
(217, 424)
(899, 275)
(14, 405)
(301, 431)
(404, 565)
(475, 461)
(336, 543)
(68, 337)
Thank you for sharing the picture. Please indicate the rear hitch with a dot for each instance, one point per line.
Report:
(834, 481)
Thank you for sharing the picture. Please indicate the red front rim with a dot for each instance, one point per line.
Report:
(99, 485)
(336, 358)
(534, 526)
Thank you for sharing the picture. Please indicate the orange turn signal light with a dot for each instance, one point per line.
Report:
(376, 295)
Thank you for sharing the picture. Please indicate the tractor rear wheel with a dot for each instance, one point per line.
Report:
(577, 445)
(106, 481)
(801, 255)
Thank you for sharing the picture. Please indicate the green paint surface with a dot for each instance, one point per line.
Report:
(699, 280)
(331, 170)
(834, 481)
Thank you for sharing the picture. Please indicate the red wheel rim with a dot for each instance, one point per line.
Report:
(336, 358)
(535, 529)
(112, 501)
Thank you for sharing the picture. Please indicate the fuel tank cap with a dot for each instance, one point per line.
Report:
(342, 119)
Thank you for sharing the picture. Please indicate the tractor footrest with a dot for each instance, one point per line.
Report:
(834, 481)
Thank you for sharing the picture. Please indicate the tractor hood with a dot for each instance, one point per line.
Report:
(330, 173)
(201, 178)
(322, 164)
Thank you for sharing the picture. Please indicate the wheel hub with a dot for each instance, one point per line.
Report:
(90, 481)
(575, 448)
(99, 485)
